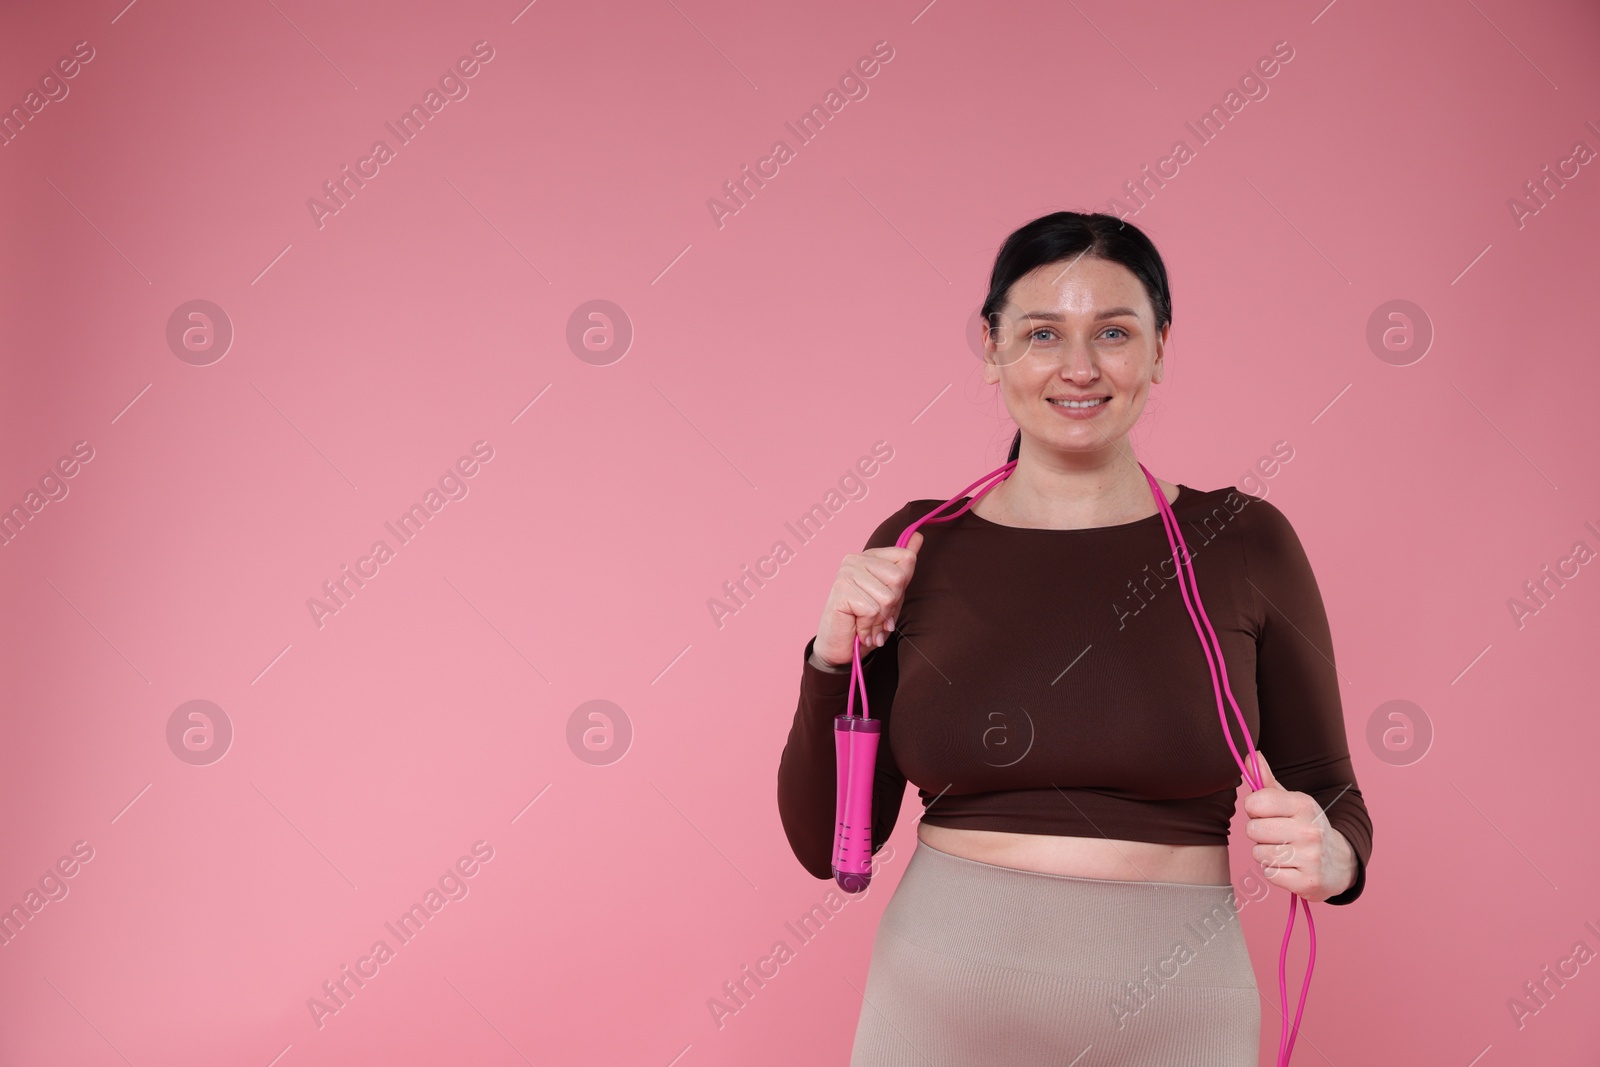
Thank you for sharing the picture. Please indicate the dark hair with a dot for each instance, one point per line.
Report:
(1065, 235)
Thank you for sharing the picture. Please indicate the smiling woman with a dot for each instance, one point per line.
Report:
(1076, 794)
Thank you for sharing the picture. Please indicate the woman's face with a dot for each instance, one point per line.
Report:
(1077, 329)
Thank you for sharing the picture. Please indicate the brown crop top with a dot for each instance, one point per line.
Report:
(1046, 681)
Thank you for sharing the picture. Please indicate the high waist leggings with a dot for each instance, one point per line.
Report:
(977, 965)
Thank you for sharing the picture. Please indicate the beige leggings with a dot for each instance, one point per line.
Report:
(976, 965)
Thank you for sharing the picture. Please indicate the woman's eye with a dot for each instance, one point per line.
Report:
(1050, 333)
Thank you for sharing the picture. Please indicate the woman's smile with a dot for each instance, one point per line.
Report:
(1078, 409)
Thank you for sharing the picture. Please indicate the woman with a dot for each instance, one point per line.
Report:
(1042, 684)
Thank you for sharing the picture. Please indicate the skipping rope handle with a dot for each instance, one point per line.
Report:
(855, 741)
(855, 747)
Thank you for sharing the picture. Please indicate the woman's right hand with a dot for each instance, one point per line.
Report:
(865, 600)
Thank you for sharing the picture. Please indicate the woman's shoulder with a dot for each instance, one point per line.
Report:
(1200, 503)
(890, 529)
(1230, 512)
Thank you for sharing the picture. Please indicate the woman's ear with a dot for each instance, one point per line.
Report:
(991, 369)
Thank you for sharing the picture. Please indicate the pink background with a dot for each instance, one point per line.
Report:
(432, 711)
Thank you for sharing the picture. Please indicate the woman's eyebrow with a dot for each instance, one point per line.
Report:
(1108, 313)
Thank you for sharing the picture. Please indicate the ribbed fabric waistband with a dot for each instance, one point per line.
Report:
(1067, 926)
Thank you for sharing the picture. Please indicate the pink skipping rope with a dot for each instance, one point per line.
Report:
(856, 743)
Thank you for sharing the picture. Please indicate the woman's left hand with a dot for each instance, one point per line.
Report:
(1295, 845)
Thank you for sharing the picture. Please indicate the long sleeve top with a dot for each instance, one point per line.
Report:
(1052, 682)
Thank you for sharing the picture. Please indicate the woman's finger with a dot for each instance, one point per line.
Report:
(865, 613)
(882, 593)
(895, 576)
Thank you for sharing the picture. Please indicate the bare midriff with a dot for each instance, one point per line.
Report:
(1083, 857)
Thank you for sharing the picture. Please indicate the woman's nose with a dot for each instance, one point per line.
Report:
(1074, 360)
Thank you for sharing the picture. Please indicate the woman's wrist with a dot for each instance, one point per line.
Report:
(1345, 859)
(823, 665)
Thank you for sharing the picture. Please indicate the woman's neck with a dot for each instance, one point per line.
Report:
(1053, 496)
